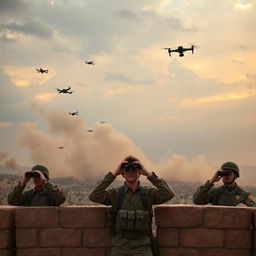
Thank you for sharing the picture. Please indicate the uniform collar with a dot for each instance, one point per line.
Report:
(127, 188)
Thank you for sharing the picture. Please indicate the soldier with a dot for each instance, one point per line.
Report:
(229, 194)
(131, 207)
(44, 193)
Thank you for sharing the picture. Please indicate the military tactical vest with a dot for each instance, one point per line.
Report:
(132, 220)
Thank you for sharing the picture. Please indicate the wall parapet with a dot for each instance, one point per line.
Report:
(182, 230)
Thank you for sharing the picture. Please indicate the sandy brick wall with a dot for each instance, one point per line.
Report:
(182, 230)
(67, 231)
(188, 230)
(7, 231)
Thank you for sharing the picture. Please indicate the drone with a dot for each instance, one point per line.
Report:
(74, 113)
(180, 50)
(61, 147)
(64, 90)
(40, 70)
(90, 62)
(90, 130)
(102, 122)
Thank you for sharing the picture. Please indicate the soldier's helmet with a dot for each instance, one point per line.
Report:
(231, 166)
(42, 169)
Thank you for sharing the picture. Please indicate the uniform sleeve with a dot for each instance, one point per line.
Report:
(204, 194)
(99, 193)
(162, 193)
(250, 200)
(17, 196)
(57, 195)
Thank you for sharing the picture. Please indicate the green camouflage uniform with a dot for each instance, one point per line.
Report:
(223, 195)
(129, 240)
(50, 195)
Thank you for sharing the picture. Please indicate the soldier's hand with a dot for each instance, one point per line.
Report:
(215, 177)
(142, 169)
(25, 179)
(119, 170)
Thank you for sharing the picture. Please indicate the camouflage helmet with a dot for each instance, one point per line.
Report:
(231, 166)
(42, 169)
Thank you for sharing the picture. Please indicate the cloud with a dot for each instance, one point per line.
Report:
(127, 14)
(47, 96)
(29, 27)
(7, 6)
(243, 6)
(9, 163)
(123, 78)
(218, 98)
(91, 155)
(180, 117)
(5, 124)
(25, 76)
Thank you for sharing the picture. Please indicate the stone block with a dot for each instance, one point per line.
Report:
(223, 217)
(6, 217)
(201, 238)
(60, 237)
(26, 238)
(225, 252)
(30, 217)
(9, 252)
(83, 252)
(7, 238)
(168, 237)
(176, 216)
(96, 238)
(39, 252)
(165, 251)
(83, 217)
(238, 239)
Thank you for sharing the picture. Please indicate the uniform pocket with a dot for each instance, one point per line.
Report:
(142, 220)
(131, 218)
(121, 220)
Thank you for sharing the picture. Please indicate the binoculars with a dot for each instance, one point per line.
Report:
(32, 174)
(130, 166)
(223, 173)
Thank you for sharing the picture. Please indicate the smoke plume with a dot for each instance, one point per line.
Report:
(9, 163)
(93, 154)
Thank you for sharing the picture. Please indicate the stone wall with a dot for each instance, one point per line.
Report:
(205, 230)
(7, 231)
(182, 230)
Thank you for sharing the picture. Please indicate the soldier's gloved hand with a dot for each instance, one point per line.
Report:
(119, 170)
(143, 170)
(215, 178)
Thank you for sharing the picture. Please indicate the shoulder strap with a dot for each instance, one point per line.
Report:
(143, 198)
(121, 195)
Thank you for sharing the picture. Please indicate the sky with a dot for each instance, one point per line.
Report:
(182, 117)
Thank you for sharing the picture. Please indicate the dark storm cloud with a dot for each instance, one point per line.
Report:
(125, 79)
(9, 6)
(29, 27)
